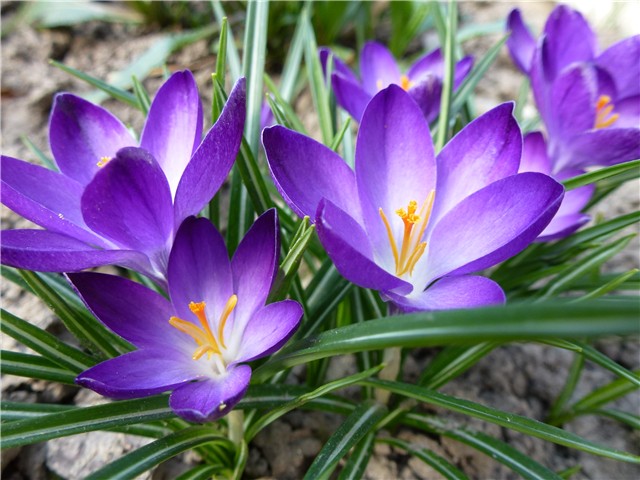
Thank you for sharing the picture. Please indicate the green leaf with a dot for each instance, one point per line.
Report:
(363, 419)
(291, 68)
(605, 394)
(233, 59)
(144, 103)
(597, 175)
(44, 343)
(32, 366)
(508, 420)
(356, 464)
(255, 44)
(630, 419)
(63, 14)
(447, 81)
(289, 115)
(279, 411)
(270, 396)
(201, 472)
(319, 92)
(499, 451)
(609, 286)
(80, 420)
(439, 464)
(569, 387)
(452, 362)
(148, 456)
(510, 322)
(221, 61)
(40, 155)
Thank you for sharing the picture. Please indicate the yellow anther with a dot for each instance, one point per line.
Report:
(412, 247)
(604, 109)
(103, 161)
(405, 83)
(228, 308)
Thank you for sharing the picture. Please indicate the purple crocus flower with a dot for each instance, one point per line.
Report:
(378, 70)
(197, 343)
(411, 224)
(113, 202)
(589, 101)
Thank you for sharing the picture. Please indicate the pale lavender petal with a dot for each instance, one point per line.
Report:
(306, 171)
(622, 145)
(486, 150)
(45, 197)
(521, 43)
(348, 247)
(492, 224)
(628, 111)
(338, 65)
(562, 226)
(534, 154)
(378, 68)
(136, 313)
(212, 398)
(254, 266)
(572, 107)
(139, 374)
(81, 134)
(174, 125)
(268, 330)
(350, 96)
(395, 164)
(430, 64)
(622, 60)
(199, 270)
(45, 251)
(129, 202)
(570, 40)
(212, 161)
(451, 293)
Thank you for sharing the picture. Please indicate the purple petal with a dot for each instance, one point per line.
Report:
(129, 202)
(348, 247)
(429, 64)
(453, 292)
(254, 266)
(269, 329)
(486, 150)
(213, 398)
(378, 68)
(338, 65)
(462, 69)
(622, 61)
(521, 43)
(138, 374)
(47, 198)
(426, 94)
(570, 40)
(306, 171)
(628, 110)
(562, 226)
(45, 251)
(493, 224)
(174, 125)
(137, 314)
(81, 134)
(350, 96)
(572, 108)
(212, 161)
(534, 154)
(622, 145)
(395, 163)
(199, 270)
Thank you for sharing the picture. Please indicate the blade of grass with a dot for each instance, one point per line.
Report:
(447, 81)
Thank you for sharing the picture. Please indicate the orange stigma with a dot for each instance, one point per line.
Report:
(604, 107)
(205, 339)
(103, 161)
(405, 83)
(415, 224)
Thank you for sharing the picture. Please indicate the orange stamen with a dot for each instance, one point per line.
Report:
(604, 109)
(103, 161)
(405, 83)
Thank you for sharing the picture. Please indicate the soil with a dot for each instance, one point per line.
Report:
(521, 378)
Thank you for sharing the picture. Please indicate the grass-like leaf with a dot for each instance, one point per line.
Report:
(508, 420)
(40, 155)
(33, 366)
(356, 464)
(363, 419)
(597, 175)
(447, 82)
(148, 456)
(452, 362)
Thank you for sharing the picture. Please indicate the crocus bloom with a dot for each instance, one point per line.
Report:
(589, 101)
(409, 223)
(113, 202)
(197, 343)
(569, 216)
(378, 70)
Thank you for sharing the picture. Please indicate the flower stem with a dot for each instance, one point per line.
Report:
(235, 420)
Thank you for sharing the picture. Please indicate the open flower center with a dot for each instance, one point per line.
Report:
(207, 341)
(604, 109)
(103, 161)
(405, 83)
(414, 225)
